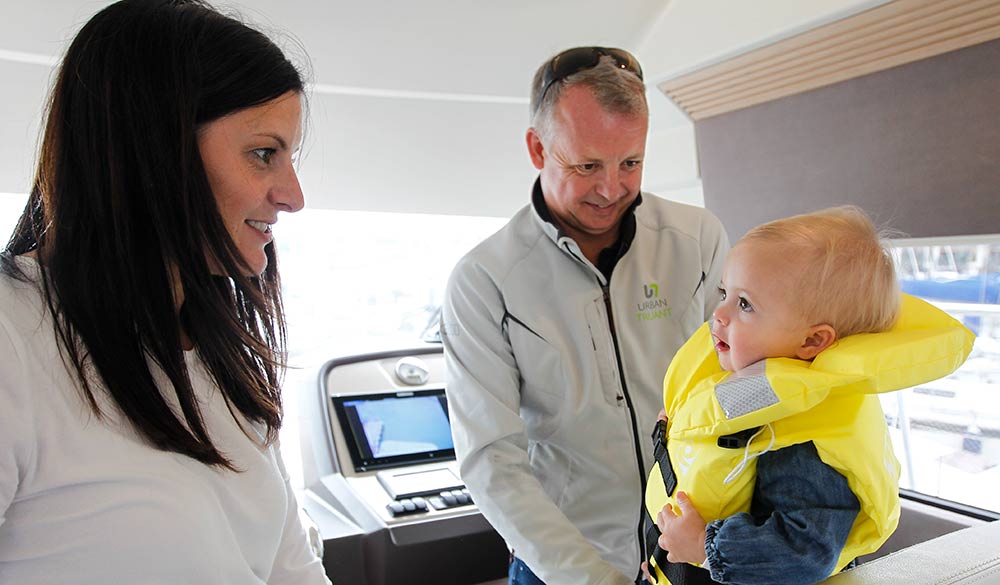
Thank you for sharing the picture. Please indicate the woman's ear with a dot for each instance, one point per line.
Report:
(819, 338)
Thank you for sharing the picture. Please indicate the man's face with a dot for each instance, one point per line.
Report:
(591, 166)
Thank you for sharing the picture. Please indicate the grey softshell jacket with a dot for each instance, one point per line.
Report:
(551, 408)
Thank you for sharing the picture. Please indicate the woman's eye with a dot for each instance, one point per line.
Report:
(745, 305)
(264, 154)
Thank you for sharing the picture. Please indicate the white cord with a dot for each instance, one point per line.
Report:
(747, 457)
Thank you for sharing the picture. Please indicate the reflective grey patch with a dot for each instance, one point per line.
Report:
(741, 395)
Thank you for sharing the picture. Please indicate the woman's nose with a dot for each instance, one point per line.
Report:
(287, 195)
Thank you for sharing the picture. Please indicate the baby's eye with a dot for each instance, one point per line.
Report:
(264, 154)
(722, 293)
(745, 305)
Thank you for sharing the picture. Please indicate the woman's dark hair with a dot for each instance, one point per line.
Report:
(121, 218)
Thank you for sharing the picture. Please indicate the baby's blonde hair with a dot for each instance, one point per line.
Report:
(846, 276)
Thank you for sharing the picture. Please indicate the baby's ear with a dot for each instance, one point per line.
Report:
(819, 337)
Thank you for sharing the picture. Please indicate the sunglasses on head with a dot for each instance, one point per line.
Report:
(573, 60)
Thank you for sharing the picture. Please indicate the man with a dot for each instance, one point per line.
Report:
(558, 330)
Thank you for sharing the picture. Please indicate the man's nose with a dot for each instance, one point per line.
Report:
(610, 186)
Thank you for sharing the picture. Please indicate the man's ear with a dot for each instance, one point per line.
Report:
(819, 338)
(536, 150)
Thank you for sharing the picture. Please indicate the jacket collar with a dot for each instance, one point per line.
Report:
(609, 256)
(548, 224)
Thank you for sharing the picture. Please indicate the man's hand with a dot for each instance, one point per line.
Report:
(683, 534)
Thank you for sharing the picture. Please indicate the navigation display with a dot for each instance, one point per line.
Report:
(395, 428)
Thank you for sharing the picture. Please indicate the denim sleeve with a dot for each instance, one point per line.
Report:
(799, 519)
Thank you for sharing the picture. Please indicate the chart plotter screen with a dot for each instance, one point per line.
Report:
(396, 428)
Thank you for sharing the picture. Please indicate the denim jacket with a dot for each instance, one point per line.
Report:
(801, 513)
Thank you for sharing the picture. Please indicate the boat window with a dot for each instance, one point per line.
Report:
(11, 206)
(357, 282)
(947, 432)
(354, 282)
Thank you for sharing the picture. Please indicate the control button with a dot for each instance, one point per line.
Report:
(420, 503)
(456, 493)
(395, 508)
(449, 498)
(437, 503)
(408, 505)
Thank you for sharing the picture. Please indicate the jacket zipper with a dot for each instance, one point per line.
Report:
(605, 289)
(631, 413)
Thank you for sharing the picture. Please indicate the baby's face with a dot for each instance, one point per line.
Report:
(757, 315)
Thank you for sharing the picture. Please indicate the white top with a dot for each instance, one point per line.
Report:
(85, 500)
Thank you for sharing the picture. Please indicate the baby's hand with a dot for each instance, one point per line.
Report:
(645, 572)
(683, 536)
(662, 415)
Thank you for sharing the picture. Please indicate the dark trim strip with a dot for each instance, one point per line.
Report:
(951, 506)
(507, 315)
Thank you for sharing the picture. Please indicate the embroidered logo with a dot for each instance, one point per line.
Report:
(653, 307)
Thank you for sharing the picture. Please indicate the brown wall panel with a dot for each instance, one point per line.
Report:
(917, 146)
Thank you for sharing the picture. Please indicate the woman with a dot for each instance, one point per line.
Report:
(141, 326)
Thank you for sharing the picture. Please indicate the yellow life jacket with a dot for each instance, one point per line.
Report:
(830, 401)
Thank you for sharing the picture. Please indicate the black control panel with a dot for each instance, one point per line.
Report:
(440, 501)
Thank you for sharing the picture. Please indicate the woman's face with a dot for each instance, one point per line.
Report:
(248, 156)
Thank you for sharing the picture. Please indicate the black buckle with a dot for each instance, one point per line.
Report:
(737, 440)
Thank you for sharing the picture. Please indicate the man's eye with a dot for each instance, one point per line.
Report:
(587, 167)
(264, 154)
(745, 305)
(631, 164)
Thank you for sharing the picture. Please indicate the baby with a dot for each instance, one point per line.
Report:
(785, 451)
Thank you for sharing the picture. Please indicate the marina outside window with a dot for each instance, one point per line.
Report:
(947, 432)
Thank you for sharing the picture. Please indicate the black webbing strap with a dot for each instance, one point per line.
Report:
(676, 573)
(654, 552)
(686, 574)
(662, 457)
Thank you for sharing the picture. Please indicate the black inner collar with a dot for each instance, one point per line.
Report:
(608, 258)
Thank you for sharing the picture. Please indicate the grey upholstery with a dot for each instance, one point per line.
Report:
(968, 556)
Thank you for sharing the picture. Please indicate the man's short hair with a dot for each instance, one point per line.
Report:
(615, 89)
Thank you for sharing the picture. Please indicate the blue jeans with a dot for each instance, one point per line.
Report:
(520, 574)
